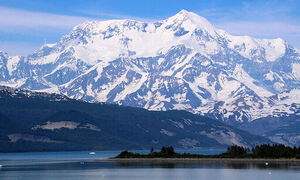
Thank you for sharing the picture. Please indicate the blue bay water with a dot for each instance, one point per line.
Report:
(82, 165)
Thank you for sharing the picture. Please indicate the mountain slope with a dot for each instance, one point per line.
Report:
(283, 129)
(182, 63)
(33, 121)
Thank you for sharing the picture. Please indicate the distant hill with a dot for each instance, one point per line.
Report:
(283, 129)
(33, 121)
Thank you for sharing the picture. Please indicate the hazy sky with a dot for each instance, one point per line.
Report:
(25, 25)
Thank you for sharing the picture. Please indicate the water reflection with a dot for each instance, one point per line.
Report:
(90, 170)
(211, 165)
(82, 165)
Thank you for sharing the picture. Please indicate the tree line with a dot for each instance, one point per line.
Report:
(274, 151)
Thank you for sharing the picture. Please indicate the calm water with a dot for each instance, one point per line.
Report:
(81, 165)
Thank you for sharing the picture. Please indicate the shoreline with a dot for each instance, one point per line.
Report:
(198, 160)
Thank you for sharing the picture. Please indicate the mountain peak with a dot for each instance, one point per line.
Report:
(183, 11)
(188, 15)
(191, 21)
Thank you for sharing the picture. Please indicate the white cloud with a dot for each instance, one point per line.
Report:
(27, 30)
(18, 48)
(14, 18)
(110, 15)
(25, 23)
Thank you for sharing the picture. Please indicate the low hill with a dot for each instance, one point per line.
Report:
(33, 121)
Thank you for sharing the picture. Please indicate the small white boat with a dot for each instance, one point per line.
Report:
(92, 153)
(267, 163)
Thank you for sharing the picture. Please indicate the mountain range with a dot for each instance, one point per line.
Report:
(34, 121)
(182, 63)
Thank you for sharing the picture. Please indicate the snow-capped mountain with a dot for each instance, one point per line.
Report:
(183, 62)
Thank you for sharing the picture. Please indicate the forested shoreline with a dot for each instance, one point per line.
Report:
(276, 151)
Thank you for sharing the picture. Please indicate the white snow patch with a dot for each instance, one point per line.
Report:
(134, 86)
(165, 132)
(57, 125)
(177, 124)
(12, 64)
(65, 124)
(278, 86)
(51, 58)
(189, 143)
(27, 137)
(296, 70)
(269, 76)
(244, 77)
(228, 138)
(271, 49)
(205, 63)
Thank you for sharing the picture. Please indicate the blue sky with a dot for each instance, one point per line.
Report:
(25, 25)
